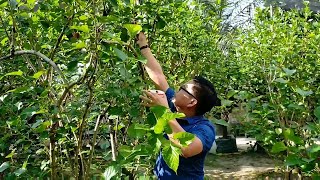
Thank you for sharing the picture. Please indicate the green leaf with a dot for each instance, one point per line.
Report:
(278, 147)
(161, 124)
(314, 148)
(231, 93)
(158, 111)
(171, 156)
(278, 131)
(138, 130)
(11, 154)
(289, 72)
(133, 29)
(20, 171)
(226, 102)
(281, 80)
(289, 135)
(79, 45)
(4, 166)
(317, 112)
(4, 40)
(163, 115)
(83, 28)
(123, 56)
(125, 150)
(303, 93)
(220, 122)
(38, 75)
(292, 160)
(109, 173)
(83, 17)
(184, 138)
(16, 73)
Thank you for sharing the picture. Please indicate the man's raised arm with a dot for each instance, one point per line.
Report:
(152, 66)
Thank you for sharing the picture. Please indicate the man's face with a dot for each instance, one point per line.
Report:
(185, 97)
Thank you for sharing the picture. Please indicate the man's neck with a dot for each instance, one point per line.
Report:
(189, 114)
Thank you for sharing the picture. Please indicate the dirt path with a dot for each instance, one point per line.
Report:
(238, 166)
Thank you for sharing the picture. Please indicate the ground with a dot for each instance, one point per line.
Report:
(244, 165)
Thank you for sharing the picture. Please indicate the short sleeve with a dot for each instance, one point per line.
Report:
(170, 95)
(206, 134)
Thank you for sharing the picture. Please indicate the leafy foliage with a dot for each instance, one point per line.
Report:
(78, 115)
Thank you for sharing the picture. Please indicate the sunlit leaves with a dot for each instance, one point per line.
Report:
(79, 45)
(38, 74)
(133, 29)
(278, 147)
(83, 28)
(163, 115)
(171, 156)
(184, 138)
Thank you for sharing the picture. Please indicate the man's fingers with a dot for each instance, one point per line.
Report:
(145, 98)
(146, 104)
(149, 94)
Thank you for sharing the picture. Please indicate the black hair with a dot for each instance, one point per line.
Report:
(206, 95)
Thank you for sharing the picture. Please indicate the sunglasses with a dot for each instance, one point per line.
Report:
(185, 90)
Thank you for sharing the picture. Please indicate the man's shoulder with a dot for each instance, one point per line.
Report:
(206, 126)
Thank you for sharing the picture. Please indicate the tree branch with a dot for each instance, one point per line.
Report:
(42, 56)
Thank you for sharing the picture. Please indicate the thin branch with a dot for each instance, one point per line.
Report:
(42, 56)
(60, 37)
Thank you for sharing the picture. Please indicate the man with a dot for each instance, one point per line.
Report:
(194, 99)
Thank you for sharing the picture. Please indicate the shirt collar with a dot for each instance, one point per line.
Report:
(194, 119)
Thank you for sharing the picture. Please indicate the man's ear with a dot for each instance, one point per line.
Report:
(192, 103)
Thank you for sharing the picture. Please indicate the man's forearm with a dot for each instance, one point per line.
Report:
(154, 70)
(175, 126)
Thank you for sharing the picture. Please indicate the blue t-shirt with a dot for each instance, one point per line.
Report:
(192, 167)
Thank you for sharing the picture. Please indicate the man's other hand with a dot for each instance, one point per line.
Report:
(158, 98)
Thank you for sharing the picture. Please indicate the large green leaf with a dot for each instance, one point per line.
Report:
(83, 28)
(15, 73)
(171, 156)
(161, 124)
(184, 138)
(163, 116)
(123, 56)
(314, 148)
(278, 147)
(303, 92)
(133, 29)
(292, 160)
(289, 135)
(158, 111)
(289, 72)
(4, 166)
(138, 130)
(226, 102)
(20, 171)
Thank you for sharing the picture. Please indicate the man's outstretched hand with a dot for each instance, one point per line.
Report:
(154, 99)
(141, 39)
